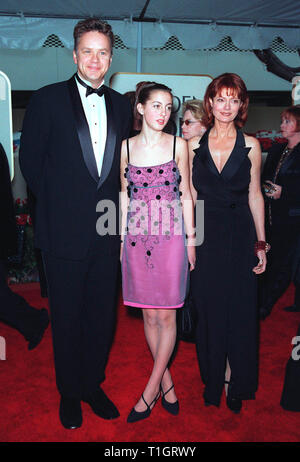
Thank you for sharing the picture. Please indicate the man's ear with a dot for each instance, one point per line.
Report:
(74, 57)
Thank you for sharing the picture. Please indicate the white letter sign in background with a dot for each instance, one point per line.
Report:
(6, 120)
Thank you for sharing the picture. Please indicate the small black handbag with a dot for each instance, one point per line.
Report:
(186, 321)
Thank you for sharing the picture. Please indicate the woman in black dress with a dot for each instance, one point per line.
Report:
(225, 174)
(281, 180)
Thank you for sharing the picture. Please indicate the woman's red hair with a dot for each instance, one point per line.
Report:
(292, 112)
(234, 86)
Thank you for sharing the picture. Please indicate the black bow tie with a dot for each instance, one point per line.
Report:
(89, 90)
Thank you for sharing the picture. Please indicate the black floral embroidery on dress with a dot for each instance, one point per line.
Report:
(145, 184)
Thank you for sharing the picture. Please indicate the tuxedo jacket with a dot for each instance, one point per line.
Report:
(8, 232)
(58, 163)
(285, 210)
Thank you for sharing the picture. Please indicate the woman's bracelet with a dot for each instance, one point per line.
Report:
(261, 245)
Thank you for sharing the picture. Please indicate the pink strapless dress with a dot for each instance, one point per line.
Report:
(154, 262)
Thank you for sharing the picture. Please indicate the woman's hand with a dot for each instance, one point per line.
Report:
(121, 251)
(261, 267)
(191, 253)
(276, 193)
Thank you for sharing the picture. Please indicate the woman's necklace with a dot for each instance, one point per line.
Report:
(286, 152)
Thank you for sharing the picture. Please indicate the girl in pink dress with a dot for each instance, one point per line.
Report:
(157, 212)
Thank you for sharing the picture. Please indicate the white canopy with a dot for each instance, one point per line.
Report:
(198, 24)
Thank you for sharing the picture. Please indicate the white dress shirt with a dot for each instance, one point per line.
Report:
(95, 113)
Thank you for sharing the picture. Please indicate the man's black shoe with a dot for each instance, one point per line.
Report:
(102, 405)
(34, 339)
(292, 308)
(70, 413)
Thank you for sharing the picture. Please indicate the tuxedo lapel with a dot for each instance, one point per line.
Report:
(83, 130)
(204, 154)
(110, 140)
(236, 158)
(234, 161)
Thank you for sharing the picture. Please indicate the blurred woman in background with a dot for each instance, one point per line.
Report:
(281, 186)
(192, 113)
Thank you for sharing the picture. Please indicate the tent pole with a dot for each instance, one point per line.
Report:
(139, 47)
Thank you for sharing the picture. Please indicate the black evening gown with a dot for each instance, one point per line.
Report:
(284, 231)
(223, 284)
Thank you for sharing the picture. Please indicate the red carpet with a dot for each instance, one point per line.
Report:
(29, 400)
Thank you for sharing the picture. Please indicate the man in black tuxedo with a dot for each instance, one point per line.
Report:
(70, 157)
(14, 310)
